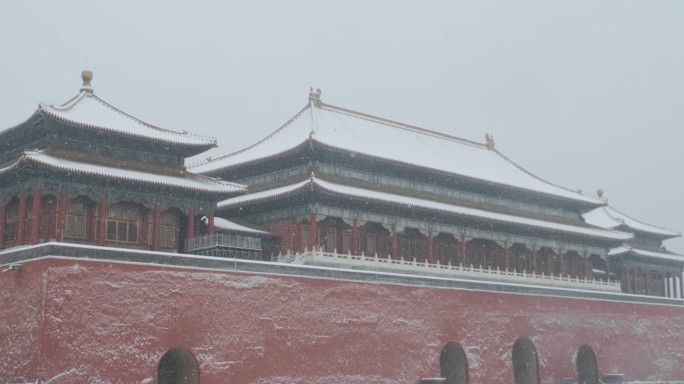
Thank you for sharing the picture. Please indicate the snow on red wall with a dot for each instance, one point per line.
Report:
(79, 321)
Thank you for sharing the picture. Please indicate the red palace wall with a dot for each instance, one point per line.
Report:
(81, 321)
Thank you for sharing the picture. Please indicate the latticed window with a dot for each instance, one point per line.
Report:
(11, 219)
(167, 230)
(75, 220)
(346, 241)
(167, 236)
(383, 246)
(370, 244)
(328, 239)
(305, 236)
(122, 223)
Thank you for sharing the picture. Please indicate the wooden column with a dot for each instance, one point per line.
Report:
(507, 257)
(3, 225)
(464, 254)
(561, 265)
(60, 224)
(430, 249)
(584, 266)
(191, 224)
(681, 286)
(102, 221)
(393, 243)
(21, 223)
(35, 217)
(534, 260)
(156, 225)
(607, 269)
(313, 232)
(210, 225)
(354, 238)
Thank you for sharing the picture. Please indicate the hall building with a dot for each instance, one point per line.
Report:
(346, 189)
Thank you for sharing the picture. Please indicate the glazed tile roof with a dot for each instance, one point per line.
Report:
(608, 217)
(89, 111)
(373, 137)
(641, 252)
(384, 197)
(231, 226)
(187, 181)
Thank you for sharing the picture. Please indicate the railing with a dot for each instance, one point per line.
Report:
(319, 257)
(222, 240)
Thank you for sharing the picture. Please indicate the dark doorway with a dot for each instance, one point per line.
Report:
(453, 364)
(587, 367)
(178, 366)
(525, 362)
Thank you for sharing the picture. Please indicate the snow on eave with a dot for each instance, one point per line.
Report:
(622, 250)
(179, 139)
(264, 195)
(609, 217)
(214, 165)
(197, 183)
(388, 198)
(231, 226)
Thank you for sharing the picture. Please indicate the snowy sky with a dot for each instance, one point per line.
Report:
(586, 94)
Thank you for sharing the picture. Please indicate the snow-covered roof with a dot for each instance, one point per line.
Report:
(374, 137)
(608, 217)
(89, 111)
(186, 181)
(369, 195)
(234, 227)
(641, 252)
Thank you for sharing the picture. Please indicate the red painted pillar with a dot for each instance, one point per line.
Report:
(210, 225)
(102, 221)
(191, 224)
(430, 249)
(313, 232)
(61, 216)
(156, 225)
(464, 251)
(35, 217)
(3, 225)
(393, 243)
(355, 238)
(21, 224)
(507, 257)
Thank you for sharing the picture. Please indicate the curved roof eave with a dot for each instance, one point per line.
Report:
(213, 186)
(387, 198)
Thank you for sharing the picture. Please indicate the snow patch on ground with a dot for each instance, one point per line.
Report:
(341, 379)
(63, 375)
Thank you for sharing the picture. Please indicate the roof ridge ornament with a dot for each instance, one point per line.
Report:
(489, 141)
(86, 76)
(315, 97)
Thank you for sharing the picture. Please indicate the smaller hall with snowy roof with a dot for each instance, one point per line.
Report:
(86, 172)
(324, 189)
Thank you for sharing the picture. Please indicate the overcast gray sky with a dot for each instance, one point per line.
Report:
(586, 94)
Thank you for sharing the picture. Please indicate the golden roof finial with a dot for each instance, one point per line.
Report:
(87, 76)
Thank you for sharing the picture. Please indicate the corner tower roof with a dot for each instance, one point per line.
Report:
(360, 134)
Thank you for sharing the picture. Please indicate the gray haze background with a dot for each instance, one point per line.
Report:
(585, 94)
